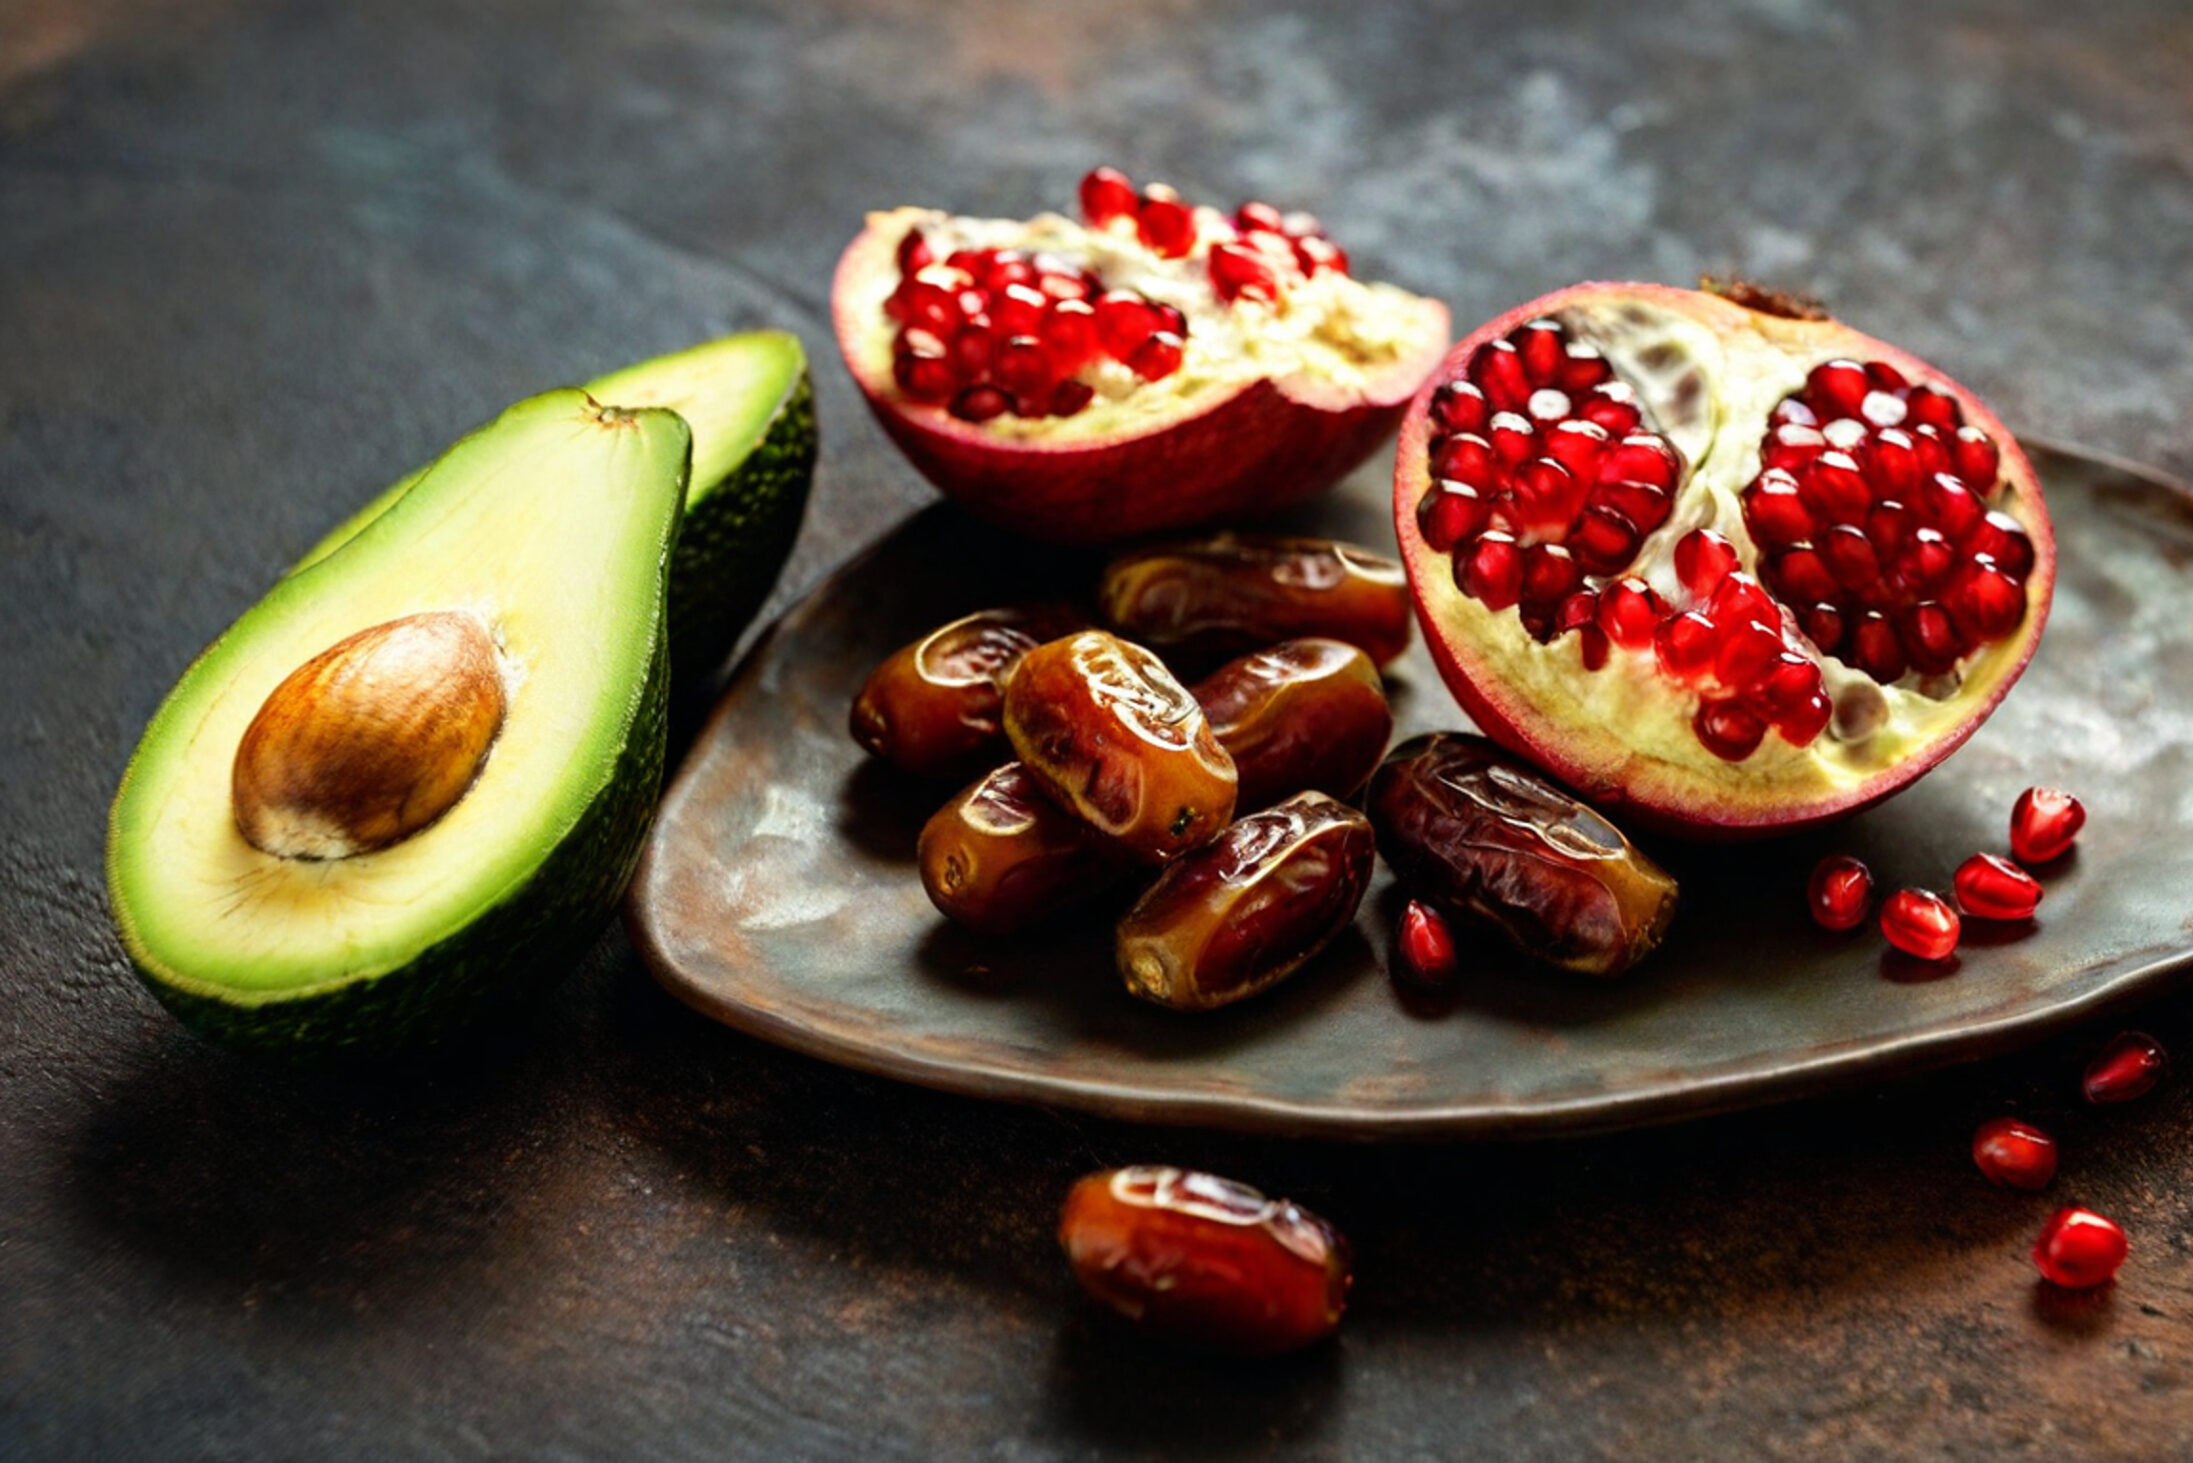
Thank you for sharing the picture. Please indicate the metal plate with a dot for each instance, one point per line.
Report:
(779, 893)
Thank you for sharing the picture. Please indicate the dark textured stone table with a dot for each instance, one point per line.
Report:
(258, 258)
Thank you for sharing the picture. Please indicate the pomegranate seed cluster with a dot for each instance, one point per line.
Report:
(997, 331)
(1871, 512)
(1545, 482)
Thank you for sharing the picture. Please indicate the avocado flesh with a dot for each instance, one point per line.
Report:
(556, 524)
(750, 402)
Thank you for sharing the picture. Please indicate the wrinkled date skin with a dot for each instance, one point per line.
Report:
(1251, 907)
(933, 707)
(1001, 855)
(1302, 715)
(1206, 1260)
(1108, 733)
(1230, 593)
(1494, 843)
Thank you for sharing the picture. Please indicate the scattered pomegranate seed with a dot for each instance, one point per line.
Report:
(1921, 923)
(2014, 1153)
(2079, 1249)
(1427, 946)
(1106, 194)
(1839, 892)
(1991, 887)
(1164, 223)
(2128, 1067)
(2044, 823)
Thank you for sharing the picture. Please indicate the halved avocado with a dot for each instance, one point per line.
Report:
(751, 405)
(552, 527)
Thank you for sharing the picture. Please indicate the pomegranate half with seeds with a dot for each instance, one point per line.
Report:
(1149, 365)
(1731, 567)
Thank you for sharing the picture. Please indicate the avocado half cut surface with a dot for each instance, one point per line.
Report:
(751, 404)
(551, 528)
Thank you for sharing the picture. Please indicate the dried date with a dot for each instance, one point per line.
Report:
(1249, 908)
(933, 707)
(1300, 715)
(1202, 1259)
(1107, 732)
(1223, 595)
(1001, 856)
(1495, 843)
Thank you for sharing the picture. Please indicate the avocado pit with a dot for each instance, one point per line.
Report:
(371, 740)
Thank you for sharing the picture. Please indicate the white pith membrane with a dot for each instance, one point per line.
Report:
(1625, 731)
(566, 494)
(1335, 334)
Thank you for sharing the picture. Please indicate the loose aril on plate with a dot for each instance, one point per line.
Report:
(2079, 1249)
(1733, 566)
(1991, 887)
(2128, 1067)
(1839, 892)
(1920, 922)
(2014, 1153)
(2044, 823)
(1425, 946)
(1206, 1260)
(1152, 365)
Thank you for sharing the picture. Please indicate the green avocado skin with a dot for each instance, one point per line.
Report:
(510, 954)
(736, 538)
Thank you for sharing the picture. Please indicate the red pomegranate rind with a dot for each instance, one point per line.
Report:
(1214, 444)
(1664, 680)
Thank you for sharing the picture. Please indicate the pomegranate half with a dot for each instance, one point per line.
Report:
(1731, 567)
(1149, 366)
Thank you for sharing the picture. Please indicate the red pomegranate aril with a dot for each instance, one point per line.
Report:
(1582, 367)
(1686, 645)
(1978, 458)
(1929, 638)
(1801, 574)
(1612, 405)
(1157, 357)
(1999, 537)
(1729, 729)
(1740, 600)
(1106, 194)
(1498, 372)
(1165, 224)
(1986, 603)
(1839, 892)
(1069, 334)
(1545, 496)
(921, 368)
(1450, 513)
(1542, 344)
(1775, 511)
(1787, 684)
(1018, 309)
(1889, 524)
(1069, 397)
(1846, 434)
(1875, 649)
(1791, 447)
(980, 403)
(1892, 461)
(1427, 947)
(1514, 438)
(1023, 367)
(1549, 574)
(1642, 506)
(1629, 613)
(1604, 540)
(1748, 652)
(1466, 458)
(915, 252)
(1920, 923)
(1313, 253)
(1592, 647)
(2079, 1249)
(1835, 490)
(1008, 267)
(1493, 573)
(1254, 217)
(1841, 385)
(1925, 558)
(2128, 1067)
(971, 348)
(1950, 507)
(2044, 823)
(2014, 1154)
(1990, 887)
(1641, 458)
(1240, 272)
(1577, 446)
(1458, 406)
(1931, 407)
(1806, 720)
(1703, 559)
(1849, 556)
(1124, 320)
(1823, 624)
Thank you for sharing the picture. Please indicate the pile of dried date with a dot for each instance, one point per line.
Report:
(1093, 760)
